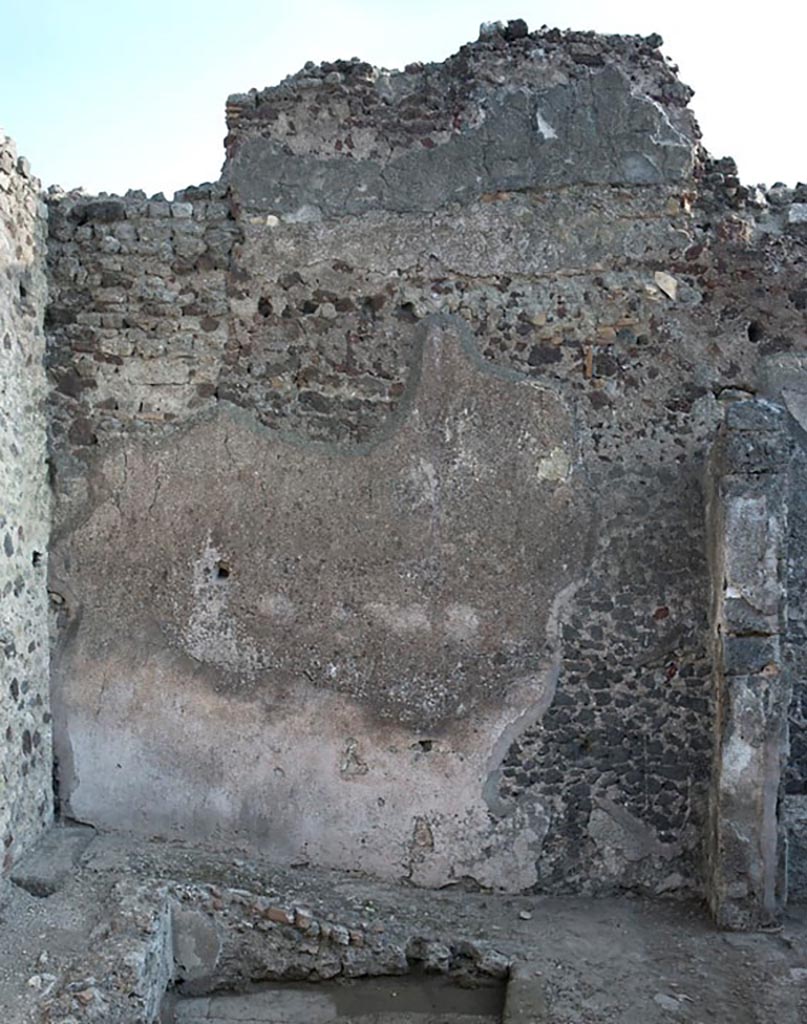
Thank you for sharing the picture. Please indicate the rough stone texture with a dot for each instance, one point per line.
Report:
(749, 527)
(787, 384)
(796, 823)
(26, 802)
(103, 949)
(379, 470)
(480, 123)
(53, 859)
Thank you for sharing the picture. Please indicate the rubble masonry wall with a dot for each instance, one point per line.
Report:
(26, 800)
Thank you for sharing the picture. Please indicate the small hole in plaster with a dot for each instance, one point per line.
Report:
(36, 559)
(755, 331)
(406, 312)
(222, 570)
(425, 745)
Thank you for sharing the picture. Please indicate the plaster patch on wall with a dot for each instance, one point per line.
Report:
(461, 622)
(555, 466)
(446, 848)
(211, 634)
(403, 620)
(537, 695)
(277, 607)
(623, 839)
(545, 129)
(738, 757)
(426, 486)
(351, 763)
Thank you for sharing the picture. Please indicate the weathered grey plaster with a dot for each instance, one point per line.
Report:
(367, 624)
(518, 137)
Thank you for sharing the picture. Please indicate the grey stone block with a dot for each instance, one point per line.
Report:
(754, 415)
(750, 655)
(748, 452)
(743, 617)
(48, 866)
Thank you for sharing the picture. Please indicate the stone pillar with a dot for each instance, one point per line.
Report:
(747, 518)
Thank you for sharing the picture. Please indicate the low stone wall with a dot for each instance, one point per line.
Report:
(26, 800)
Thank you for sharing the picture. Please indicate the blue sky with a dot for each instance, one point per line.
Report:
(115, 95)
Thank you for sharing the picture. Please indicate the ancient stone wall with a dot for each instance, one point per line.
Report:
(379, 467)
(138, 317)
(26, 801)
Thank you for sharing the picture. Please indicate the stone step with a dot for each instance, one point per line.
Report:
(44, 870)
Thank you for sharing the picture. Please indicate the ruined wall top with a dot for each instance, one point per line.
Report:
(512, 110)
(412, 98)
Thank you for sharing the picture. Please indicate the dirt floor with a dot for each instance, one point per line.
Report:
(581, 961)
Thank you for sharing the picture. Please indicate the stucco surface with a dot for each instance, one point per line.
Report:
(361, 626)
